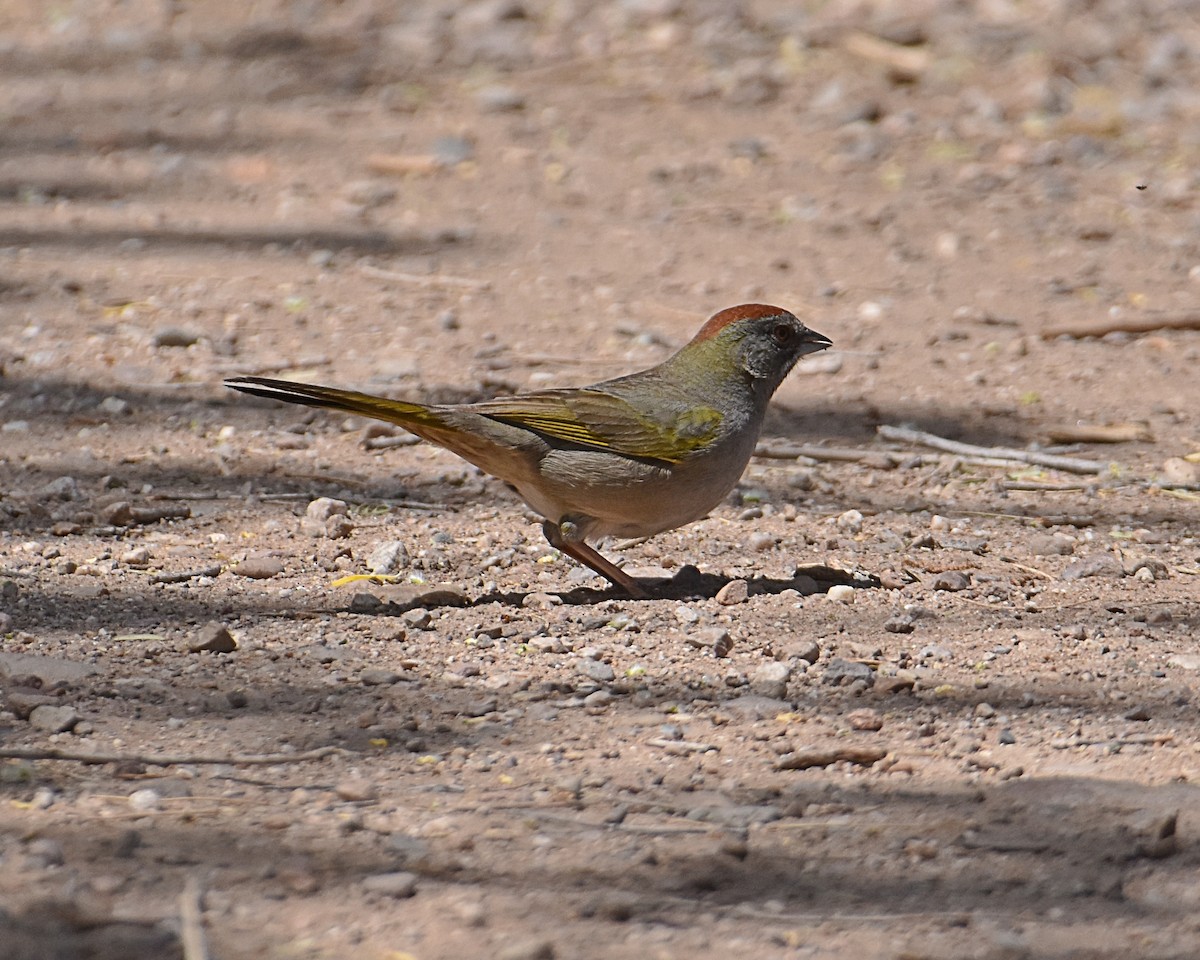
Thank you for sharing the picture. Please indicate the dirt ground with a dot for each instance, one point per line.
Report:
(984, 745)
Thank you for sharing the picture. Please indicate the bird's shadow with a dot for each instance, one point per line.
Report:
(688, 583)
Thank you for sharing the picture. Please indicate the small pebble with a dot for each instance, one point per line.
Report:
(378, 677)
(841, 672)
(850, 522)
(760, 541)
(1050, 545)
(596, 670)
(213, 637)
(259, 568)
(841, 593)
(900, 623)
(865, 719)
(356, 790)
(537, 948)
(114, 406)
(1097, 565)
(770, 679)
(61, 488)
(497, 98)
(951, 581)
(143, 801)
(137, 557)
(53, 719)
(175, 337)
(417, 619)
(734, 592)
(399, 885)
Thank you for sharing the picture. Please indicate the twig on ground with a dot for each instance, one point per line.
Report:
(1055, 462)
(83, 756)
(423, 279)
(1028, 569)
(181, 576)
(907, 62)
(681, 747)
(1035, 486)
(1186, 321)
(191, 924)
(1100, 433)
(775, 450)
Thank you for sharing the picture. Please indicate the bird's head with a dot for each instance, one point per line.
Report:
(761, 341)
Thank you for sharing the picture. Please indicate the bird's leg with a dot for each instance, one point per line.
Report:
(564, 536)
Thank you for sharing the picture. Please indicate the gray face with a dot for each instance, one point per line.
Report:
(773, 344)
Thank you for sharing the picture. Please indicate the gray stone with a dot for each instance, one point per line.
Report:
(54, 719)
(1050, 545)
(119, 514)
(841, 672)
(537, 948)
(114, 406)
(755, 706)
(401, 884)
(325, 507)
(213, 637)
(50, 670)
(770, 679)
(379, 677)
(1097, 565)
(417, 619)
(951, 581)
(61, 488)
(175, 337)
(596, 670)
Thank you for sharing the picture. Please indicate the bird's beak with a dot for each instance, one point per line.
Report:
(811, 342)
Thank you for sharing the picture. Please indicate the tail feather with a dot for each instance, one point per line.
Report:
(349, 401)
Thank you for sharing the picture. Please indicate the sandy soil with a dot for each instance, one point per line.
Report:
(985, 746)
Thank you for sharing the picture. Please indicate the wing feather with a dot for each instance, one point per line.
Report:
(602, 420)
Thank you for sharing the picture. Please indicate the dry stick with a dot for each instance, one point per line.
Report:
(423, 280)
(1187, 321)
(1034, 486)
(1068, 464)
(79, 756)
(191, 926)
(786, 451)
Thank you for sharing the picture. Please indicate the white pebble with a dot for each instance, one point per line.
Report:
(851, 522)
(144, 800)
(841, 593)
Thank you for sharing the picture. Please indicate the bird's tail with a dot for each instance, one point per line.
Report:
(407, 415)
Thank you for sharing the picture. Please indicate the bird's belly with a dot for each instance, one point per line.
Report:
(616, 496)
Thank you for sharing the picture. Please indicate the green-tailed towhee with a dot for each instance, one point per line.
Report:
(629, 457)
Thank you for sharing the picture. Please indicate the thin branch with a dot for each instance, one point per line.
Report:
(191, 924)
(1053, 461)
(1186, 321)
(423, 279)
(781, 450)
(82, 756)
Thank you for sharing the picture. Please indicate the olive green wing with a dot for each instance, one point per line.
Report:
(601, 420)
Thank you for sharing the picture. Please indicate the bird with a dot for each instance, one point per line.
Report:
(629, 457)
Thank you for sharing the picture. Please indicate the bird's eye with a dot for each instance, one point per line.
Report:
(781, 333)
